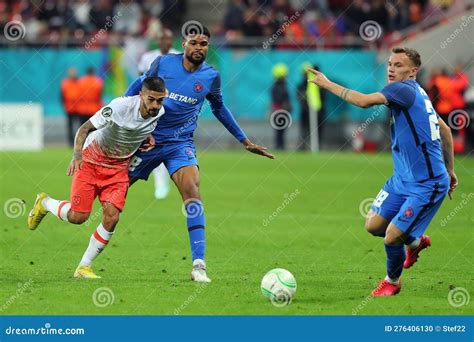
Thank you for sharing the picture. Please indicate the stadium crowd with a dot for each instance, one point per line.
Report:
(66, 22)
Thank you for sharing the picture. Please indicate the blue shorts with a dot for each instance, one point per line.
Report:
(173, 155)
(411, 206)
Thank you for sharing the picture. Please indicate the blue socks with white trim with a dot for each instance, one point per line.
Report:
(395, 259)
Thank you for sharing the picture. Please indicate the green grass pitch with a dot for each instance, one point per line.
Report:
(300, 212)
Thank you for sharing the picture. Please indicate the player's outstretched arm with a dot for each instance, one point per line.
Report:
(348, 95)
(257, 149)
(448, 154)
(81, 135)
(223, 114)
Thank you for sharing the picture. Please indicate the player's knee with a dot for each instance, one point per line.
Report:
(391, 240)
(371, 227)
(191, 190)
(75, 217)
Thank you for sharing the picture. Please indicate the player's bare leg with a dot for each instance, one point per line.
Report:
(187, 182)
(395, 249)
(376, 224)
(98, 241)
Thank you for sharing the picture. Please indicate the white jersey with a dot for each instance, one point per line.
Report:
(120, 131)
(149, 57)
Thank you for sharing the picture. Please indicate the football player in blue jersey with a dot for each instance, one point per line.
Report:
(189, 81)
(422, 150)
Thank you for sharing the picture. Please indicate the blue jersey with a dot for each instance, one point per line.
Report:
(416, 144)
(187, 92)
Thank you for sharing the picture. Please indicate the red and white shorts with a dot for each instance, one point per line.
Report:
(91, 181)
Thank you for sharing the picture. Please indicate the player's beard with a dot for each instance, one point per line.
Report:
(152, 112)
(196, 61)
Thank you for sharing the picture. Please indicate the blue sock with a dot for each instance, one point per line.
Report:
(409, 239)
(196, 224)
(395, 259)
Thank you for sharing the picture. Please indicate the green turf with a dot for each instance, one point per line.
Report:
(317, 233)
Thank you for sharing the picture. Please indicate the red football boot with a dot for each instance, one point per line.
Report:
(386, 288)
(412, 254)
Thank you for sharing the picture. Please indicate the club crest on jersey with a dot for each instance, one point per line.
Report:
(189, 153)
(407, 214)
(197, 87)
(76, 200)
(106, 112)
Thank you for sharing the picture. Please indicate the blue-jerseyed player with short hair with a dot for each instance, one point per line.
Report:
(189, 81)
(422, 150)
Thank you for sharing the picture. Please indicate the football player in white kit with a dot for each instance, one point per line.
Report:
(103, 148)
(160, 174)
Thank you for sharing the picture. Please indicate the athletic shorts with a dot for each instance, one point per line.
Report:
(411, 206)
(173, 155)
(91, 181)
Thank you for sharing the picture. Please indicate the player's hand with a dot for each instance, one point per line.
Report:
(257, 149)
(453, 183)
(148, 144)
(75, 165)
(319, 78)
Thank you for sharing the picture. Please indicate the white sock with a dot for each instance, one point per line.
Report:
(57, 208)
(99, 239)
(160, 174)
(392, 281)
(415, 243)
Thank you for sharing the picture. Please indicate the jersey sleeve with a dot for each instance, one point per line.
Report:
(104, 115)
(400, 94)
(221, 112)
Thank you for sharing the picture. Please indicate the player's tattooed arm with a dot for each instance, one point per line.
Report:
(79, 140)
(448, 154)
(348, 95)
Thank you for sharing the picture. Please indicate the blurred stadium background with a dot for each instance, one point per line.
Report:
(319, 236)
(347, 40)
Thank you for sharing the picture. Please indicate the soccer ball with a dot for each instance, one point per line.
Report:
(279, 286)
